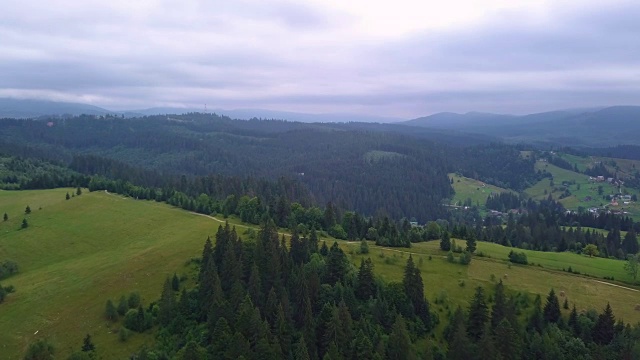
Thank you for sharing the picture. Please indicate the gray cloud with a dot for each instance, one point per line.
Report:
(302, 57)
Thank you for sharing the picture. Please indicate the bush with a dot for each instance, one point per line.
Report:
(465, 258)
(122, 306)
(134, 300)
(40, 350)
(8, 268)
(450, 257)
(518, 258)
(364, 247)
(124, 334)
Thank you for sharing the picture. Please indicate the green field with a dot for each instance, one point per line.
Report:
(76, 254)
(585, 292)
(477, 191)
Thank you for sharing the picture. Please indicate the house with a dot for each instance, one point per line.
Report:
(600, 178)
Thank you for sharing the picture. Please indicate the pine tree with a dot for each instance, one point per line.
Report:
(486, 345)
(175, 282)
(27, 210)
(122, 306)
(536, 321)
(445, 242)
(301, 351)
(509, 345)
(362, 347)
(399, 345)
(68, 196)
(25, 224)
(630, 243)
(499, 309)
(87, 344)
(566, 304)
(478, 315)
(471, 243)
(78, 191)
(6, 217)
(604, 329)
(167, 304)
(110, 311)
(365, 283)
(551, 312)
(573, 321)
(460, 348)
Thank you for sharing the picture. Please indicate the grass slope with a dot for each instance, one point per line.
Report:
(583, 192)
(442, 277)
(467, 188)
(76, 254)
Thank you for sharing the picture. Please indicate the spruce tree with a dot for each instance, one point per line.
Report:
(478, 315)
(175, 282)
(573, 321)
(551, 312)
(399, 345)
(25, 224)
(6, 217)
(87, 344)
(167, 304)
(445, 242)
(499, 309)
(365, 281)
(110, 311)
(471, 243)
(27, 210)
(604, 329)
(122, 306)
(509, 345)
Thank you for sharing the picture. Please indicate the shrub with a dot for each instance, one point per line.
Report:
(8, 268)
(465, 258)
(124, 334)
(134, 300)
(41, 349)
(518, 257)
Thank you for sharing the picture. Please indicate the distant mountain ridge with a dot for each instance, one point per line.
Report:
(596, 127)
(30, 108)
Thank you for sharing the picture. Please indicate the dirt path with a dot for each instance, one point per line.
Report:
(619, 286)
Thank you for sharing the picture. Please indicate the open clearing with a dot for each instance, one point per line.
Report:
(477, 191)
(76, 254)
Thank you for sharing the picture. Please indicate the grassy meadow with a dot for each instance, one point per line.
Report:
(78, 253)
(477, 191)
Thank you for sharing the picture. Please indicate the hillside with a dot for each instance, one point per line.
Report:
(472, 191)
(575, 190)
(599, 127)
(78, 253)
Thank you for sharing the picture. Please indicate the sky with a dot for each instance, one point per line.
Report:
(396, 58)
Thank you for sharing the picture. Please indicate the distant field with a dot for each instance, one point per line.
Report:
(477, 191)
(583, 192)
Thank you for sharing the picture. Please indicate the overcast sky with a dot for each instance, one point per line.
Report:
(394, 58)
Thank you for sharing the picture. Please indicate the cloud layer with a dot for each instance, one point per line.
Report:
(323, 56)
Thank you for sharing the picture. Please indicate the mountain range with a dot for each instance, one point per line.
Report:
(590, 127)
(30, 108)
(603, 126)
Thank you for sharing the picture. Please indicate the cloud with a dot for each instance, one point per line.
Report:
(323, 56)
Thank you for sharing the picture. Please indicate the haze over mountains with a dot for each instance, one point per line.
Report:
(575, 127)
(593, 127)
(30, 108)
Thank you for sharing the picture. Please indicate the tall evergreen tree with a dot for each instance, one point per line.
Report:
(478, 315)
(499, 308)
(445, 241)
(167, 304)
(604, 329)
(551, 310)
(399, 345)
(365, 281)
(509, 345)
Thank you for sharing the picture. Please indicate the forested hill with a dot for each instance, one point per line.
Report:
(368, 168)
